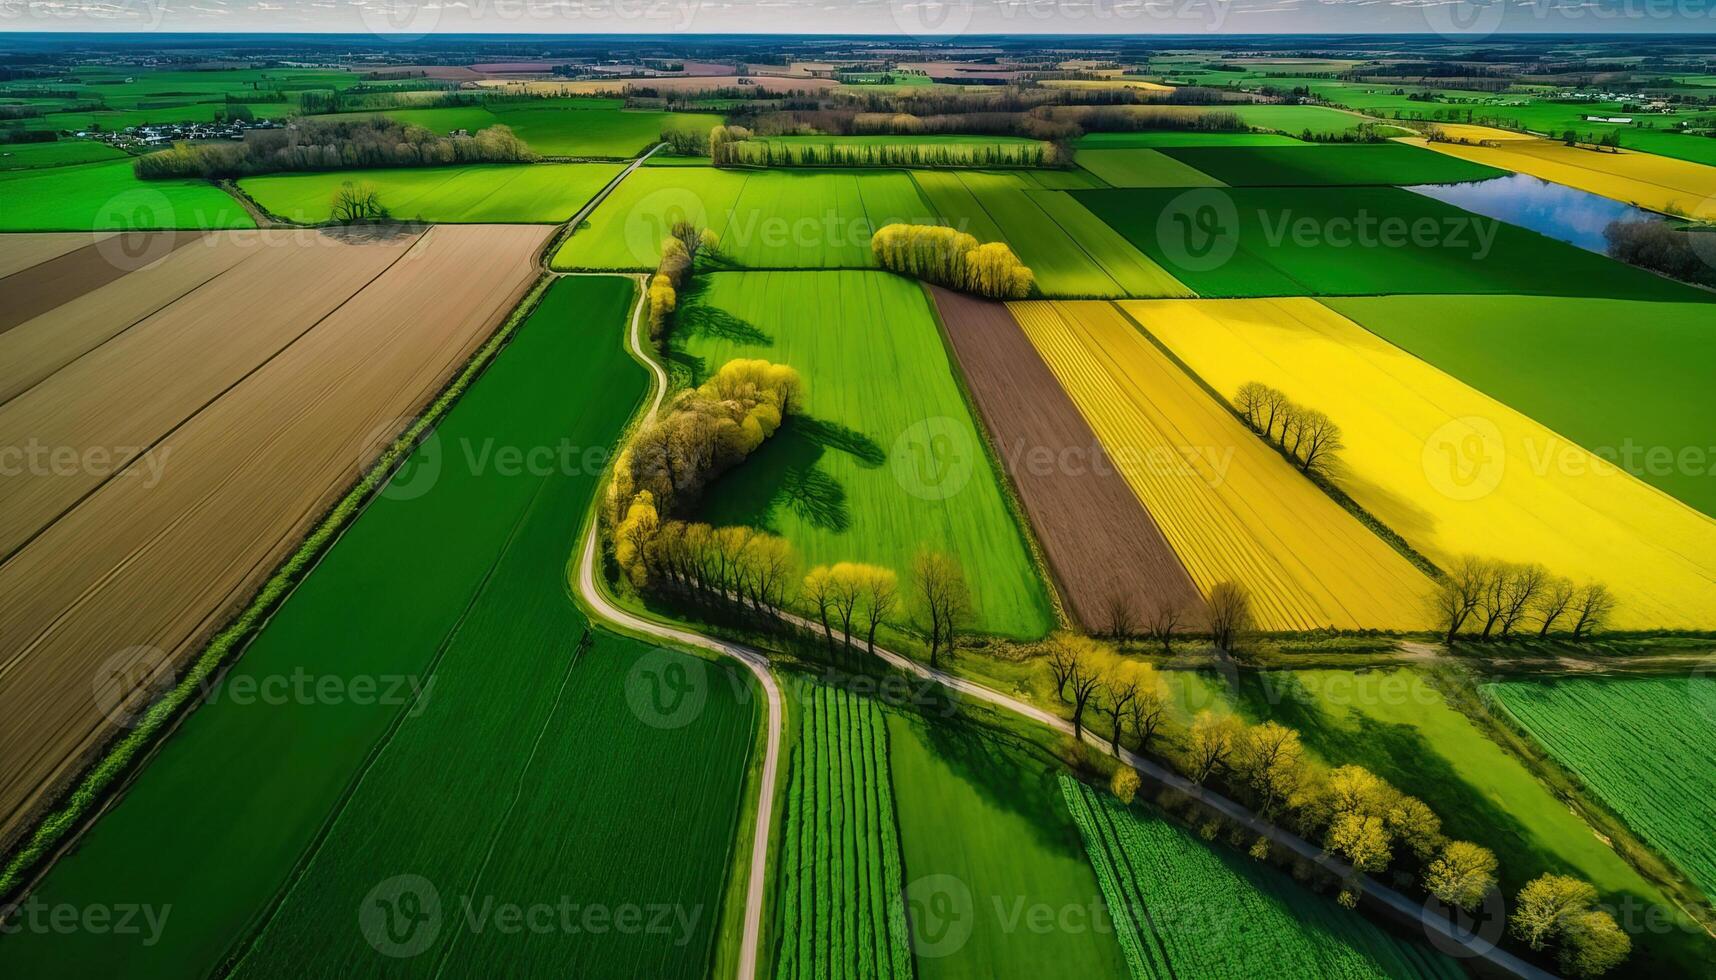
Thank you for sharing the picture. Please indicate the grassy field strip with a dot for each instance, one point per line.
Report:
(886, 458)
(1128, 267)
(1450, 469)
(1657, 183)
(1190, 911)
(1562, 362)
(1643, 745)
(1144, 167)
(1319, 166)
(543, 193)
(1230, 505)
(840, 858)
(107, 196)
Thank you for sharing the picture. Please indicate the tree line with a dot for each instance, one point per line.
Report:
(679, 252)
(333, 144)
(1306, 435)
(1660, 247)
(1483, 599)
(766, 153)
(1352, 812)
(946, 257)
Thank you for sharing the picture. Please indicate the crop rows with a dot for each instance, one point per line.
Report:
(1644, 746)
(1184, 911)
(841, 912)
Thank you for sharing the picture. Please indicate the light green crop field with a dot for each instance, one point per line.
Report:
(885, 460)
(1192, 910)
(134, 96)
(1313, 166)
(775, 219)
(1051, 232)
(1643, 745)
(563, 127)
(25, 156)
(1398, 725)
(475, 569)
(1144, 168)
(540, 193)
(108, 196)
(840, 849)
(989, 848)
(1639, 397)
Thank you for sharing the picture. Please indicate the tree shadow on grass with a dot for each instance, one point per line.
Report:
(841, 438)
(698, 319)
(783, 474)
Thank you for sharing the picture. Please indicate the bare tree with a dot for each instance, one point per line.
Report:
(1117, 690)
(357, 202)
(1086, 677)
(1274, 405)
(1230, 614)
(1459, 593)
(1524, 583)
(1251, 402)
(943, 598)
(1148, 709)
(1063, 659)
(1122, 619)
(1165, 621)
(1553, 603)
(1320, 440)
(1591, 609)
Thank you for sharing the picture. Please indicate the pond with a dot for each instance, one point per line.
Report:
(1556, 210)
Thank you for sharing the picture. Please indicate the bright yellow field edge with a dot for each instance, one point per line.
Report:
(1231, 507)
(1646, 180)
(1450, 469)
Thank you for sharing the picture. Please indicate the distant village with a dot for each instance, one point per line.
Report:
(166, 134)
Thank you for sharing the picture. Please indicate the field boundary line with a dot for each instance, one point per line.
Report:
(569, 227)
(42, 841)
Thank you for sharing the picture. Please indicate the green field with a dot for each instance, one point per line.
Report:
(564, 127)
(25, 156)
(1398, 725)
(1334, 165)
(1116, 141)
(839, 912)
(541, 193)
(991, 851)
(134, 96)
(1643, 745)
(1063, 244)
(885, 459)
(1327, 241)
(1144, 168)
(1197, 910)
(1563, 363)
(765, 219)
(109, 197)
(473, 574)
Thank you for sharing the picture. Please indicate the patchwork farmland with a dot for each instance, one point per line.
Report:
(824, 506)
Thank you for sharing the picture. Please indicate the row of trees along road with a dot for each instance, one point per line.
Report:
(684, 244)
(1355, 814)
(1486, 599)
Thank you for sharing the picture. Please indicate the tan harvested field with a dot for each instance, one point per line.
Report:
(1098, 539)
(169, 367)
(36, 348)
(21, 250)
(133, 579)
(41, 287)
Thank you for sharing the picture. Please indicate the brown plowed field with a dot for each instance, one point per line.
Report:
(19, 251)
(38, 347)
(1097, 537)
(45, 285)
(136, 576)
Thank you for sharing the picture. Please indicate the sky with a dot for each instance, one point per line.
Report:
(920, 18)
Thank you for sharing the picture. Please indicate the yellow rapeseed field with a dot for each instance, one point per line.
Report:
(1647, 180)
(1452, 470)
(1231, 506)
(1478, 134)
